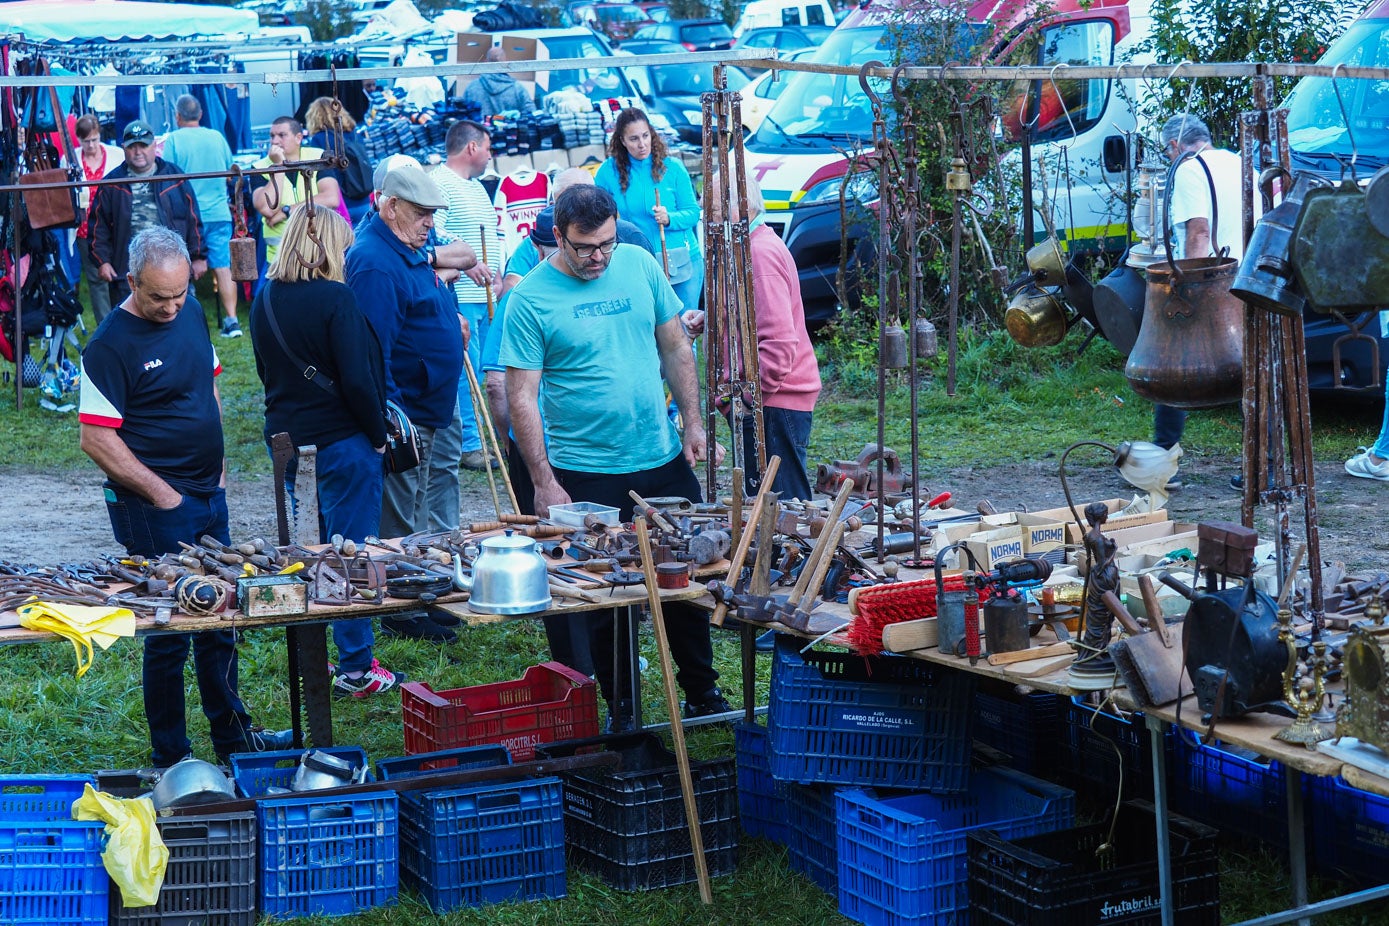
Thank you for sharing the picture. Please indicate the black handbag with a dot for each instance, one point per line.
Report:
(402, 439)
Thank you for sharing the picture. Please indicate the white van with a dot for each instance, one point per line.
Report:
(761, 13)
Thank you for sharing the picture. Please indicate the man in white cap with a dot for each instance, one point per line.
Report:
(412, 311)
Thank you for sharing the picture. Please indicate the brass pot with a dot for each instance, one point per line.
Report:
(1036, 318)
(1047, 263)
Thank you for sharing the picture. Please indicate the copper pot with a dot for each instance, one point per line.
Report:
(1190, 347)
(1036, 318)
(1045, 260)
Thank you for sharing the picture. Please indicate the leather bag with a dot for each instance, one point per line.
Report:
(55, 208)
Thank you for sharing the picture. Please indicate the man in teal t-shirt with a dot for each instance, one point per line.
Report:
(597, 323)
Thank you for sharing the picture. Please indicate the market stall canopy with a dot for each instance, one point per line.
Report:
(117, 20)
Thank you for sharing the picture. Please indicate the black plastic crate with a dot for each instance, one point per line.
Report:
(1023, 726)
(1104, 747)
(629, 827)
(1057, 879)
(210, 878)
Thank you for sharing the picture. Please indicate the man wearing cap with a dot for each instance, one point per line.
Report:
(119, 212)
(414, 315)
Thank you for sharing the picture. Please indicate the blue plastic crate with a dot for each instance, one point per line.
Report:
(50, 866)
(328, 855)
(1235, 790)
(255, 773)
(902, 860)
(1349, 830)
(880, 721)
(813, 847)
(1024, 726)
(479, 844)
(761, 798)
(1092, 737)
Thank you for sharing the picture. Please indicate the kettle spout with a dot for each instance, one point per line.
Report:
(462, 582)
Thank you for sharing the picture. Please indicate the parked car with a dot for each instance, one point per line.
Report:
(759, 13)
(783, 38)
(616, 21)
(673, 90)
(656, 12)
(762, 92)
(692, 34)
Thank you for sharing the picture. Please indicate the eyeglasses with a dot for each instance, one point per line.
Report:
(585, 251)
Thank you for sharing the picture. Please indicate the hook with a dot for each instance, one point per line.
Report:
(1051, 79)
(239, 229)
(899, 85)
(1354, 151)
(876, 100)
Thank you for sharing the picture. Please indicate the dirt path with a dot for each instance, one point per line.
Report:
(48, 517)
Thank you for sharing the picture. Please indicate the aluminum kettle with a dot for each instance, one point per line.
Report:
(509, 577)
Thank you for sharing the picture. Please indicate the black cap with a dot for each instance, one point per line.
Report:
(137, 133)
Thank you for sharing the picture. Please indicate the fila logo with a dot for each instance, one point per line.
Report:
(153, 364)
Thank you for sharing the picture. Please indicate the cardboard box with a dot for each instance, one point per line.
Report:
(506, 163)
(994, 546)
(518, 48)
(550, 160)
(472, 47)
(1075, 534)
(1044, 535)
(579, 156)
(1152, 539)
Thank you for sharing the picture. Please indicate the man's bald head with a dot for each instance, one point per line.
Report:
(496, 53)
(573, 176)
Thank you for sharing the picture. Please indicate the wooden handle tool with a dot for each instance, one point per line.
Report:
(740, 555)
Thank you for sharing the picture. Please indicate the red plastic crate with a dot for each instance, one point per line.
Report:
(548, 704)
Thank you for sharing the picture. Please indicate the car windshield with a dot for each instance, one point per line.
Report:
(705, 33)
(1316, 124)
(599, 82)
(621, 14)
(687, 80)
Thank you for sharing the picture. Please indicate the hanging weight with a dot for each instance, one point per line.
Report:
(894, 347)
(243, 260)
(925, 335)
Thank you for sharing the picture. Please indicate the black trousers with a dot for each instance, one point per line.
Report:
(567, 634)
(687, 627)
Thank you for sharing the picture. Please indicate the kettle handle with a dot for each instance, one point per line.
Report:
(1266, 178)
(1167, 208)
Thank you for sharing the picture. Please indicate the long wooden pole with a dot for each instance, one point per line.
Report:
(487, 288)
(486, 430)
(677, 724)
(665, 255)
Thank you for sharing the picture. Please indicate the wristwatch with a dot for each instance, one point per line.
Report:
(429, 255)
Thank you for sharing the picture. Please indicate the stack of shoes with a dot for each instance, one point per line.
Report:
(419, 625)
(261, 740)
(712, 702)
(375, 680)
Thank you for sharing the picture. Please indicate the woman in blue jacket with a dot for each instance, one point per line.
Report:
(637, 168)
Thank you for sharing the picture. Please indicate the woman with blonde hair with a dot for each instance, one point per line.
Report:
(325, 385)
(322, 119)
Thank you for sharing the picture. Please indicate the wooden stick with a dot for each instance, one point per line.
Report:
(491, 303)
(740, 555)
(822, 546)
(486, 430)
(646, 507)
(1027, 655)
(677, 723)
(665, 255)
(479, 403)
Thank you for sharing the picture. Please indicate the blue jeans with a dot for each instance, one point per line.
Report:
(788, 436)
(1168, 425)
(476, 314)
(1381, 447)
(689, 290)
(145, 530)
(350, 479)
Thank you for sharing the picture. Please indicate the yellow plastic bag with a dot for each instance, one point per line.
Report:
(79, 624)
(135, 857)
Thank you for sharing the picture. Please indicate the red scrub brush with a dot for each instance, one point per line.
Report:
(875, 606)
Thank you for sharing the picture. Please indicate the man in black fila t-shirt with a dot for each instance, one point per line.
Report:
(151, 418)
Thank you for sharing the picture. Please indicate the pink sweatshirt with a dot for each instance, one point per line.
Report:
(790, 375)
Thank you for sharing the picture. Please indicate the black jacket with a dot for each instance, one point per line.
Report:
(108, 220)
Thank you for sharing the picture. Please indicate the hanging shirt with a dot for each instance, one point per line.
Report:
(520, 197)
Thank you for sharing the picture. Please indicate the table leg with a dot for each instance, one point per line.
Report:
(296, 720)
(748, 646)
(627, 653)
(1297, 840)
(310, 643)
(1157, 734)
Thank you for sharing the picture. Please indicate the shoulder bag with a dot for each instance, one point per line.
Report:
(55, 208)
(402, 439)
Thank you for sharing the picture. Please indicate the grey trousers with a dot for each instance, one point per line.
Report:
(425, 498)
(98, 290)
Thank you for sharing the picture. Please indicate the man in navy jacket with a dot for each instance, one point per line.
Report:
(413, 313)
(119, 212)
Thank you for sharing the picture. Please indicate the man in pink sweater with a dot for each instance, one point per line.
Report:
(789, 373)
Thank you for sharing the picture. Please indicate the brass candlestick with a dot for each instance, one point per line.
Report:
(1303, 691)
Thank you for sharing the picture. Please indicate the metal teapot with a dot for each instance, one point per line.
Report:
(509, 577)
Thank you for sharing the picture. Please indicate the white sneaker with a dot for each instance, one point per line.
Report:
(1361, 467)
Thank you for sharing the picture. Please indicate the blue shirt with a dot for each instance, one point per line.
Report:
(415, 319)
(594, 343)
(195, 150)
(636, 202)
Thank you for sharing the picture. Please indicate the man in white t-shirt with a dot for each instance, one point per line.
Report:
(1199, 229)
